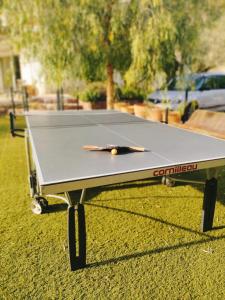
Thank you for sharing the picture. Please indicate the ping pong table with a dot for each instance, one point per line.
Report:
(59, 166)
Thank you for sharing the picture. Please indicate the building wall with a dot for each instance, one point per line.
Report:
(31, 74)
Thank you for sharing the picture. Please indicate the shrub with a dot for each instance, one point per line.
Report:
(94, 92)
(129, 94)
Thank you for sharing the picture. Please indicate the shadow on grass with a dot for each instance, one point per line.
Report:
(201, 176)
(128, 185)
(145, 198)
(63, 206)
(207, 238)
(93, 192)
(218, 227)
(151, 218)
(153, 251)
(57, 207)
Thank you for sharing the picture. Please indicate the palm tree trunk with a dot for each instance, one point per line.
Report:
(110, 87)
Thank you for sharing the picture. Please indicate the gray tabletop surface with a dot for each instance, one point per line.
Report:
(57, 139)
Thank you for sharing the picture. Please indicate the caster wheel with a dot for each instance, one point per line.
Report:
(169, 182)
(39, 205)
(164, 180)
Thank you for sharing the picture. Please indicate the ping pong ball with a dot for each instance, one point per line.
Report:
(114, 151)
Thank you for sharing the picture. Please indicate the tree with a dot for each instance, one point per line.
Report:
(195, 23)
(105, 40)
(91, 39)
(211, 41)
(43, 29)
(151, 30)
(186, 17)
(211, 47)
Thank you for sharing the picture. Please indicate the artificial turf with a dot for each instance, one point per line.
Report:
(143, 240)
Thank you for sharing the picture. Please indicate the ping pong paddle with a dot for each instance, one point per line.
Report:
(114, 149)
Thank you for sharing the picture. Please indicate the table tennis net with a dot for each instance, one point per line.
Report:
(83, 120)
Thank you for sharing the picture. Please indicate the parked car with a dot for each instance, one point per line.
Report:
(201, 90)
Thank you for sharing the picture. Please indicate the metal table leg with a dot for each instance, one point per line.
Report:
(76, 241)
(209, 200)
(72, 237)
(81, 235)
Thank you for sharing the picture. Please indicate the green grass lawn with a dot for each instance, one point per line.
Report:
(143, 240)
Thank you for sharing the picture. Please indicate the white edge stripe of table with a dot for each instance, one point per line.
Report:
(34, 157)
(65, 186)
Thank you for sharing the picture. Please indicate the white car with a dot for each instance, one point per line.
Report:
(202, 90)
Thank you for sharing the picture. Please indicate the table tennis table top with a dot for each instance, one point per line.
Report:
(62, 165)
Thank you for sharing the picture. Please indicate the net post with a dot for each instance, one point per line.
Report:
(12, 123)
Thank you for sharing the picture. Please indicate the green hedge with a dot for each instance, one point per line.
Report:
(94, 92)
(129, 94)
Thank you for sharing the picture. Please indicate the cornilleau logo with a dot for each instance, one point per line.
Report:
(174, 170)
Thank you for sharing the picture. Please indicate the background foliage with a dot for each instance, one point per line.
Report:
(141, 39)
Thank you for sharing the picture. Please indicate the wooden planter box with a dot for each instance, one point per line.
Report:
(94, 105)
(174, 117)
(154, 114)
(132, 101)
(128, 109)
(37, 105)
(140, 110)
(72, 106)
(120, 105)
(3, 111)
